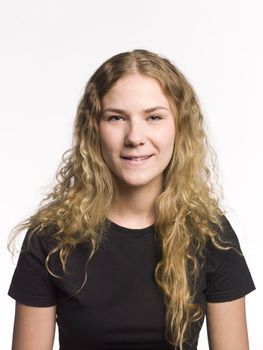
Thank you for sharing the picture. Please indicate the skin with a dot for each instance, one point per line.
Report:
(34, 328)
(135, 132)
(226, 325)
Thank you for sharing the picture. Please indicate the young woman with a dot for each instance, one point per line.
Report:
(132, 249)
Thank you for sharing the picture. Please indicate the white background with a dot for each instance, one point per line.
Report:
(50, 48)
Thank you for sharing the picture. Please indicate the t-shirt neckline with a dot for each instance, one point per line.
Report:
(133, 232)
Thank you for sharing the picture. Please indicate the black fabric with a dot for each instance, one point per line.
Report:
(120, 306)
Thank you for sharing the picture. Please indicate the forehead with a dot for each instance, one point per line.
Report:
(135, 88)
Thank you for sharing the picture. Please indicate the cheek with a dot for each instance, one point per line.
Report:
(103, 144)
(168, 146)
(106, 147)
(108, 143)
(168, 139)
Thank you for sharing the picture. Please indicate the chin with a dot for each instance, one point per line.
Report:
(139, 183)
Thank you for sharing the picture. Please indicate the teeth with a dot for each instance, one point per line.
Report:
(139, 158)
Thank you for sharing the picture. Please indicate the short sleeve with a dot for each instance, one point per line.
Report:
(227, 274)
(31, 283)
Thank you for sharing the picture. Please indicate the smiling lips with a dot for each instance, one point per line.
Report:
(137, 158)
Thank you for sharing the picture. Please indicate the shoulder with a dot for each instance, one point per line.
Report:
(226, 234)
(227, 275)
(42, 238)
(225, 250)
(39, 243)
(224, 242)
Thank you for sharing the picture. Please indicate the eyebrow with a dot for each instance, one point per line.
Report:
(122, 111)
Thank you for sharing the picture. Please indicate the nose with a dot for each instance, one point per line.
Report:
(134, 134)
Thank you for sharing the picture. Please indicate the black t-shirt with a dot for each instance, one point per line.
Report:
(120, 306)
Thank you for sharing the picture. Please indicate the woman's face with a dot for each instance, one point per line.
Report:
(137, 131)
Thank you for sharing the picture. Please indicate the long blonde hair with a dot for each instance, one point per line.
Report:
(186, 208)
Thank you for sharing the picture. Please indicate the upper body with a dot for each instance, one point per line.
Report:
(140, 163)
(120, 306)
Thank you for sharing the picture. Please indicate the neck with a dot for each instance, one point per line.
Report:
(135, 206)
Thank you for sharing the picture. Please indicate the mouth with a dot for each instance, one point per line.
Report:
(137, 158)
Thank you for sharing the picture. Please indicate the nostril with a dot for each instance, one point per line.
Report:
(133, 142)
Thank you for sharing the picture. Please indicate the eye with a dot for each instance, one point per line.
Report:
(115, 117)
(155, 117)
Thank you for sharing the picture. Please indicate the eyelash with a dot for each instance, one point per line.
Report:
(114, 117)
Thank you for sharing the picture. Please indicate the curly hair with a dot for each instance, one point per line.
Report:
(187, 206)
